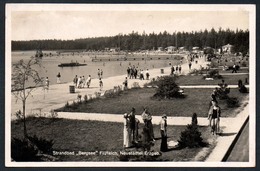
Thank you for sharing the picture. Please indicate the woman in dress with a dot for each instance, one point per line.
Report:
(79, 81)
(58, 78)
(147, 118)
(127, 139)
(211, 105)
(215, 118)
(163, 129)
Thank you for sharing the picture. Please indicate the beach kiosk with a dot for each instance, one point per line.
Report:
(72, 88)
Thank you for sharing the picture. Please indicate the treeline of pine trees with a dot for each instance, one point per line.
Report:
(136, 41)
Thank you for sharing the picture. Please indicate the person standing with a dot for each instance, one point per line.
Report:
(214, 95)
(210, 113)
(172, 70)
(234, 69)
(47, 83)
(147, 118)
(101, 73)
(135, 73)
(100, 84)
(126, 138)
(147, 74)
(75, 80)
(98, 73)
(215, 118)
(190, 65)
(131, 73)
(125, 83)
(58, 78)
(83, 82)
(128, 71)
(141, 75)
(137, 122)
(132, 124)
(79, 82)
(163, 129)
(179, 69)
(88, 81)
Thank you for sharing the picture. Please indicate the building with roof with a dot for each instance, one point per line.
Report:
(170, 49)
(227, 48)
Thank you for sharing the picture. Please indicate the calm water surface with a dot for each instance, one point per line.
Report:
(50, 67)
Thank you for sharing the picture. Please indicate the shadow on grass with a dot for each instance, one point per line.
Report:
(227, 134)
(177, 147)
(90, 87)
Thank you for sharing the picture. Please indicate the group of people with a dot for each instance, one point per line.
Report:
(176, 69)
(100, 73)
(194, 57)
(81, 82)
(133, 73)
(131, 129)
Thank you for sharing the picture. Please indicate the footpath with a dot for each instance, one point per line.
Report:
(58, 95)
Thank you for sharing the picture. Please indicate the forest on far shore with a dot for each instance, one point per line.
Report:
(142, 41)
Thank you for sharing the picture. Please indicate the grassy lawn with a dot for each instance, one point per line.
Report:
(242, 70)
(198, 80)
(197, 100)
(230, 61)
(87, 136)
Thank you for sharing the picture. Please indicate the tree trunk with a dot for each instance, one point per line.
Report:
(24, 121)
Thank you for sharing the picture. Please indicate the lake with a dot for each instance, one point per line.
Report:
(50, 64)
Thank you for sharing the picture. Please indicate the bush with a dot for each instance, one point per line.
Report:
(214, 64)
(232, 102)
(79, 98)
(109, 94)
(54, 114)
(74, 105)
(136, 85)
(97, 94)
(240, 83)
(85, 98)
(23, 150)
(191, 137)
(152, 83)
(231, 67)
(222, 93)
(213, 74)
(43, 145)
(244, 64)
(243, 89)
(19, 115)
(167, 88)
(67, 105)
(196, 72)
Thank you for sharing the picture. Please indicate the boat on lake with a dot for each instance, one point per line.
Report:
(71, 64)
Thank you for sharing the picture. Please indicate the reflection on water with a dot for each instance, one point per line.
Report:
(111, 68)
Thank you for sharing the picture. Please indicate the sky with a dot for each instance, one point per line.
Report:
(68, 24)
